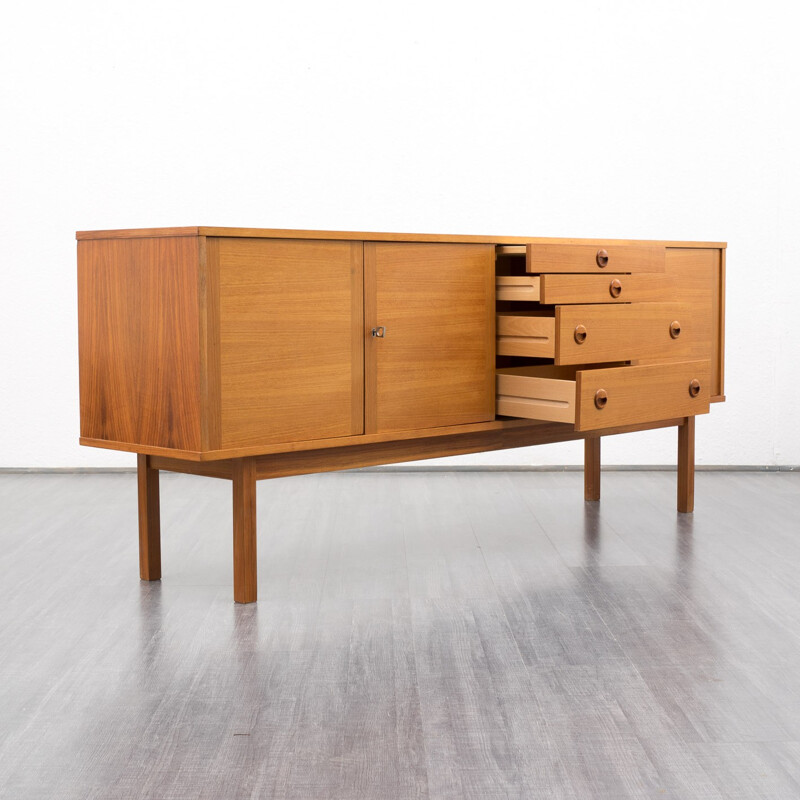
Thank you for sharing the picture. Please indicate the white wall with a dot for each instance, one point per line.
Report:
(630, 119)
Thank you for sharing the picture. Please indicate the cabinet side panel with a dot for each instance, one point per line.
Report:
(139, 330)
(698, 280)
(291, 339)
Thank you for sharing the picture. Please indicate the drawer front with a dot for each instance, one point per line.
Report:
(520, 335)
(607, 398)
(542, 258)
(564, 289)
(592, 334)
(611, 397)
(517, 287)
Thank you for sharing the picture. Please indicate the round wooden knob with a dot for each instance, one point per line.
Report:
(602, 258)
(674, 329)
(580, 334)
(615, 288)
(600, 398)
(694, 388)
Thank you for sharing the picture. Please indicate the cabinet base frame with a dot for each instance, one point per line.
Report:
(244, 472)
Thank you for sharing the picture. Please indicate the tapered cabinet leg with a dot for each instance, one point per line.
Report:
(149, 521)
(686, 466)
(245, 585)
(591, 468)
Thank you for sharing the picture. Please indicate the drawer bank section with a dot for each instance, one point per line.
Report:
(598, 398)
(607, 335)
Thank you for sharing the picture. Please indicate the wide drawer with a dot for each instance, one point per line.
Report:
(526, 335)
(592, 334)
(542, 258)
(604, 398)
(556, 289)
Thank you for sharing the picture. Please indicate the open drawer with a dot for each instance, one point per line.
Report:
(596, 334)
(607, 397)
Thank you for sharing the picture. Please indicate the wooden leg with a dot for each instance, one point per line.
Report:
(245, 583)
(591, 468)
(149, 521)
(686, 466)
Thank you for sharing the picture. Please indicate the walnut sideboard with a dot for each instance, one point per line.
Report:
(245, 353)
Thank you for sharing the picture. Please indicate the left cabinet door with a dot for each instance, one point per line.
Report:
(291, 348)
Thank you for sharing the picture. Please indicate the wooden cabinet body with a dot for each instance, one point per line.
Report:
(215, 346)
(249, 353)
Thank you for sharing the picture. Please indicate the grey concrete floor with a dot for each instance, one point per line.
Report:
(442, 635)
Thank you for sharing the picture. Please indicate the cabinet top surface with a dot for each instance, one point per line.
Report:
(274, 233)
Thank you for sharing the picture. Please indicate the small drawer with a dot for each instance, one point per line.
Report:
(612, 397)
(592, 334)
(526, 335)
(517, 287)
(556, 289)
(542, 258)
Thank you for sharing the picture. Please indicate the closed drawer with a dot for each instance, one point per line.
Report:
(555, 289)
(517, 287)
(604, 398)
(543, 258)
(592, 334)
(526, 335)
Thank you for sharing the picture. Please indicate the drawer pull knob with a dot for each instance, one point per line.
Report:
(675, 329)
(580, 334)
(615, 288)
(600, 398)
(379, 332)
(694, 388)
(602, 258)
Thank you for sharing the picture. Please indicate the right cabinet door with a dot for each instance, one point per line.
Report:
(429, 325)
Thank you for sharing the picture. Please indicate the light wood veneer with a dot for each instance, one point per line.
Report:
(245, 354)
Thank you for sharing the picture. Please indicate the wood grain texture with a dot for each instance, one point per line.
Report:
(502, 435)
(699, 281)
(635, 394)
(640, 394)
(210, 459)
(139, 345)
(638, 288)
(245, 570)
(543, 258)
(397, 451)
(435, 365)
(208, 469)
(686, 466)
(290, 340)
(516, 244)
(639, 331)
(210, 378)
(532, 335)
(537, 392)
(149, 520)
(591, 468)
(517, 288)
